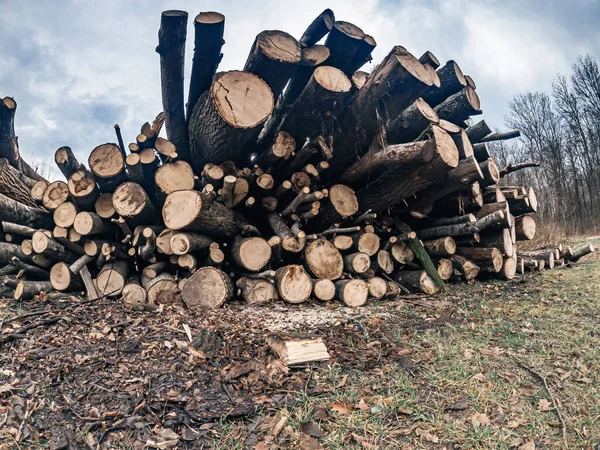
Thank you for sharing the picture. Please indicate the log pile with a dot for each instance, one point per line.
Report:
(299, 176)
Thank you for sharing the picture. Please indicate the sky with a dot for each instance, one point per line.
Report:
(77, 67)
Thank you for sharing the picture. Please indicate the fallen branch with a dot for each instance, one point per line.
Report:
(514, 167)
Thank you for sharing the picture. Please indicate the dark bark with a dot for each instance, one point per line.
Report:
(478, 131)
(318, 28)
(452, 81)
(12, 185)
(411, 123)
(66, 161)
(501, 136)
(13, 211)
(171, 48)
(208, 41)
(459, 107)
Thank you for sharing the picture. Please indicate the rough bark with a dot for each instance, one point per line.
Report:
(468, 269)
(16, 212)
(27, 290)
(417, 281)
(208, 41)
(452, 81)
(486, 258)
(458, 107)
(67, 162)
(13, 186)
(444, 246)
(478, 131)
(411, 123)
(171, 48)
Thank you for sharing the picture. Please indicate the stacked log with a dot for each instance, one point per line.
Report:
(297, 177)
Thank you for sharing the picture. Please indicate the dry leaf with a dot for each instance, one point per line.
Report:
(480, 419)
(479, 377)
(362, 405)
(517, 422)
(496, 351)
(309, 443)
(341, 408)
(459, 405)
(427, 435)
(544, 405)
(516, 442)
(312, 429)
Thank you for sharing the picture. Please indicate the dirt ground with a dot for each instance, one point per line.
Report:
(490, 365)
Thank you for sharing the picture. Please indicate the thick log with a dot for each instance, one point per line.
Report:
(458, 107)
(112, 277)
(524, 204)
(208, 287)
(383, 262)
(293, 284)
(429, 58)
(274, 57)
(171, 48)
(417, 281)
(67, 162)
(361, 56)
(256, 291)
(171, 177)
(400, 182)
(227, 117)
(16, 212)
(27, 290)
(478, 132)
(88, 223)
(461, 229)
(193, 211)
(452, 81)
(64, 214)
(402, 253)
(525, 228)
(66, 278)
(468, 269)
(83, 189)
(444, 246)
(481, 152)
(208, 41)
(15, 228)
(55, 195)
(366, 242)
(132, 203)
(486, 258)
(342, 204)
(509, 268)
(104, 206)
(133, 294)
(353, 293)
(357, 263)
(344, 41)
(162, 290)
(318, 107)
(491, 175)
(324, 260)
(411, 123)
(445, 269)
(342, 242)
(466, 172)
(252, 253)
(501, 239)
(318, 28)
(107, 163)
(581, 252)
(37, 191)
(378, 287)
(464, 146)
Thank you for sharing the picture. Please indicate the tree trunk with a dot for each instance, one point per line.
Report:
(410, 124)
(13, 186)
(104, 206)
(208, 41)
(344, 41)
(193, 211)
(458, 107)
(496, 217)
(581, 252)
(342, 204)
(252, 253)
(491, 175)
(324, 260)
(83, 189)
(509, 268)
(400, 182)
(162, 290)
(525, 228)
(429, 58)
(88, 223)
(107, 163)
(357, 263)
(452, 81)
(318, 107)
(478, 132)
(7, 251)
(131, 202)
(501, 239)
(465, 149)
(67, 162)
(487, 258)
(171, 48)
(171, 177)
(16, 212)
(501, 136)
(64, 215)
(227, 117)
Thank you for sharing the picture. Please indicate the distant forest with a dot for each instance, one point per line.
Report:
(562, 131)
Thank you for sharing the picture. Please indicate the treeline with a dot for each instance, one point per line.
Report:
(562, 131)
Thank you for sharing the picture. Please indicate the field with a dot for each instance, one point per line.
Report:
(490, 365)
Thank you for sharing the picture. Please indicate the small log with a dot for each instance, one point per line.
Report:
(411, 123)
(324, 289)
(402, 253)
(510, 168)
(481, 152)
(419, 251)
(383, 262)
(66, 278)
(486, 258)
(293, 284)
(112, 277)
(417, 281)
(581, 252)
(257, 292)
(378, 287)
(452, 81)
(55, 195)
(134, 295)
(294, 351)
(147, 251)
(104, 206)
(227, 117)
(42, 244)
(353, 293)
(27, 290)
(342, 242)
(66, 161)
(208, 41)
(107, 163)
(468, 269)
(162, 290)
(445, 269)
(444, 246)
(506, 135)
(282, 148)
(183, 243)
(88, 223)
(37, 191)
(208, 287)
(342, 204)
(467, 218)
(15, 228)
(29, 270)
(509, 269)
(318, 28)
(132, 203)
(273, 58)
(357, 263)
(83, 189)
(12, 184)
(252, 253)
(171, 48)
(478, 132)
(368, 243)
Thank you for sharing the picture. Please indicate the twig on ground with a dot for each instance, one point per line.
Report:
(554, 402)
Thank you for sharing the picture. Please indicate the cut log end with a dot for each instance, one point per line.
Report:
(293, 284)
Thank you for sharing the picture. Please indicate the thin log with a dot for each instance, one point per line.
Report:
(318, 28)
(510, 168)
(16, 212)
